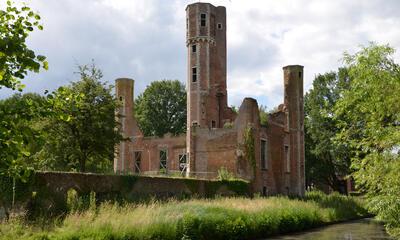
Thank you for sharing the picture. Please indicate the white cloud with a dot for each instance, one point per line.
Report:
(145, 40)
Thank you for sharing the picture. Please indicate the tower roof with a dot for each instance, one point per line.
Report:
(293, 66)
(203, 3)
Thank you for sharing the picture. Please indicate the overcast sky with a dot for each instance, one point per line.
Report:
(145, 40)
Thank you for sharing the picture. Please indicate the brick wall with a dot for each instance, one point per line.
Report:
(47, 191)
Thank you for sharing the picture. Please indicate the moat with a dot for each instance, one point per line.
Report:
(360, 229)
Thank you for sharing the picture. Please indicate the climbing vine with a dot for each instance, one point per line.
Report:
(249, 147)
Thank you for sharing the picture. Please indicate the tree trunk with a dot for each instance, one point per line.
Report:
(82, 164)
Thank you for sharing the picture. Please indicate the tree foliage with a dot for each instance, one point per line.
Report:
(161, 108)
(368, 115)
(263, 110)
(82, 131)
(328, 161)
(16, 59)
(19, 138)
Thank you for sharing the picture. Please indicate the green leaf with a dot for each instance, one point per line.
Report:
(41, 58)
(25, 153)
(45, 65)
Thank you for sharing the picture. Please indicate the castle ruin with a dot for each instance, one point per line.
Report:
(270, 156)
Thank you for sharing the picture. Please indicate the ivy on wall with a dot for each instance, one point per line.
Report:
(249, 147)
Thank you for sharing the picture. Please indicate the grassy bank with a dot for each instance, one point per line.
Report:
(222, 218)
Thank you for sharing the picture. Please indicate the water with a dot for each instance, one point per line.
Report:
(365, 229)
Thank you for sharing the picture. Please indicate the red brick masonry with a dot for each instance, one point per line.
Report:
(215, 134)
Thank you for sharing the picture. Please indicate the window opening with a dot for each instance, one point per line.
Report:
(194, 48)
(203, 18)
(213, 124)
(219, 25)
(163, 159)
(287, 158)
(194, 74)
(264, 154)
(182, 163)
(287, 121)
(299, 74)
(137, 162)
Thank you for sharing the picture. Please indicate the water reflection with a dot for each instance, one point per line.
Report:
(361, 229)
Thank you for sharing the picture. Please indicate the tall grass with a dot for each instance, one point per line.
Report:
(221, 218)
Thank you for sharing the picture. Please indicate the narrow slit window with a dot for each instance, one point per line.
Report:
(213, 124)
(264, 154)
(194, 74)
(287, 158)
(287, 121)
(194, 48)
(203, 18)
(300, 74)
(219, 25)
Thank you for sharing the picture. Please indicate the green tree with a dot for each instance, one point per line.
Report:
(16, 59)
(161, 108)
(31, 108)
(328, 161)
(20, 139)
(368, 115)
(82, 132)
(263, 114)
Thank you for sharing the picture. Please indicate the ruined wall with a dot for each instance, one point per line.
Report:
(273, 177)
(150, 147)
(247, 119)
(51, 189)
(214, 149)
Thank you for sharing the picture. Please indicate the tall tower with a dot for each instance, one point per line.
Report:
(206, 79)
(294, 104)
(128, 125)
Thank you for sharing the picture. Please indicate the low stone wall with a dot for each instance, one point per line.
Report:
(47, 191)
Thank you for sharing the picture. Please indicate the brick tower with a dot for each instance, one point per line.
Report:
(206, 80)
(293, 102)
(128, 126)
(206, 44)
